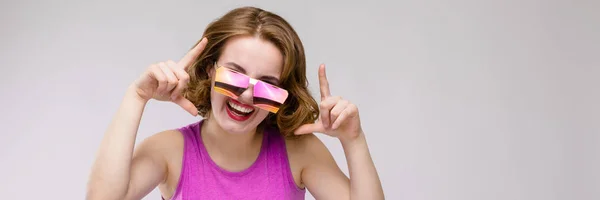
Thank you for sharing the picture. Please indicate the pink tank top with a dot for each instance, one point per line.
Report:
(269, 177)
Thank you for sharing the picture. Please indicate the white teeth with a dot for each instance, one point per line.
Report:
(239, 108)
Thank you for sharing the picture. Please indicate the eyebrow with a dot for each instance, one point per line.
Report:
(240, 69)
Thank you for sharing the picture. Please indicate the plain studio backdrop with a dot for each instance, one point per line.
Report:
(459, 99)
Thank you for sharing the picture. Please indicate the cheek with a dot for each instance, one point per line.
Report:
(216, 98)
(262, 114)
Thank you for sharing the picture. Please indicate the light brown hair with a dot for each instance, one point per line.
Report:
(300, 107)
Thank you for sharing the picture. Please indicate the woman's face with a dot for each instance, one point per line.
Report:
(256, 58)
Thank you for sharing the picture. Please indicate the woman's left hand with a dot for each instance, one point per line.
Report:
(339, 117)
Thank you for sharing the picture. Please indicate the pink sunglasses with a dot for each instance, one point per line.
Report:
(232, 84)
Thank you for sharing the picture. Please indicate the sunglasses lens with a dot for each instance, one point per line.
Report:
(269, 97)
(230, 83)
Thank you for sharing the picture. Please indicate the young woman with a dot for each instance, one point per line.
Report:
(247, 79)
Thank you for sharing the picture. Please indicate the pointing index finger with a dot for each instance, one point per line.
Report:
(324, 84)
(191, 56)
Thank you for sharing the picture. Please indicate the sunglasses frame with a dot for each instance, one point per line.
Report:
(252, 81)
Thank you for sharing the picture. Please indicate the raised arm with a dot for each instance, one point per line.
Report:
(118, 172)
(323, 178)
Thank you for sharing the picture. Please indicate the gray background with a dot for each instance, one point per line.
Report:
(459, 99)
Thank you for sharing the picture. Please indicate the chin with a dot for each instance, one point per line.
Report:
(236, 117)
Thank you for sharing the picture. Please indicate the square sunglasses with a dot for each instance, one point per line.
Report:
(232, 84)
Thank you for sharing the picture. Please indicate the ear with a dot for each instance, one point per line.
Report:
(211, 71)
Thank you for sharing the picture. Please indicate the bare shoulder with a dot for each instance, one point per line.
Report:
(303, 151)
(162, 143)
(166, 146)
(306, 145)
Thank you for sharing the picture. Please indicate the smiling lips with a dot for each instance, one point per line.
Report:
(238, 111)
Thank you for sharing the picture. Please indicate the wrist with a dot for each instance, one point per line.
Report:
(353, 139)
(132, 94)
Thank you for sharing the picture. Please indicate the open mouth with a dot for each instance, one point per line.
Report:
(239, 111)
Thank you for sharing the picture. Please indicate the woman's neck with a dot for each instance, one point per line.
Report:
(230, 151)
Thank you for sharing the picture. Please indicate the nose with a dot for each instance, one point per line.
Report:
(247, 97)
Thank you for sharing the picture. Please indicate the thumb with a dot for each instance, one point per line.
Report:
(309, 128)
(186, 105)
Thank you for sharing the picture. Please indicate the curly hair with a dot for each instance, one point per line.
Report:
(300, 107)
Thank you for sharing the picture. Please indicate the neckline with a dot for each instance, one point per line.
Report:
(215, 166)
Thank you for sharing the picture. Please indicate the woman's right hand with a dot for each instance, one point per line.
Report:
(165, 81)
